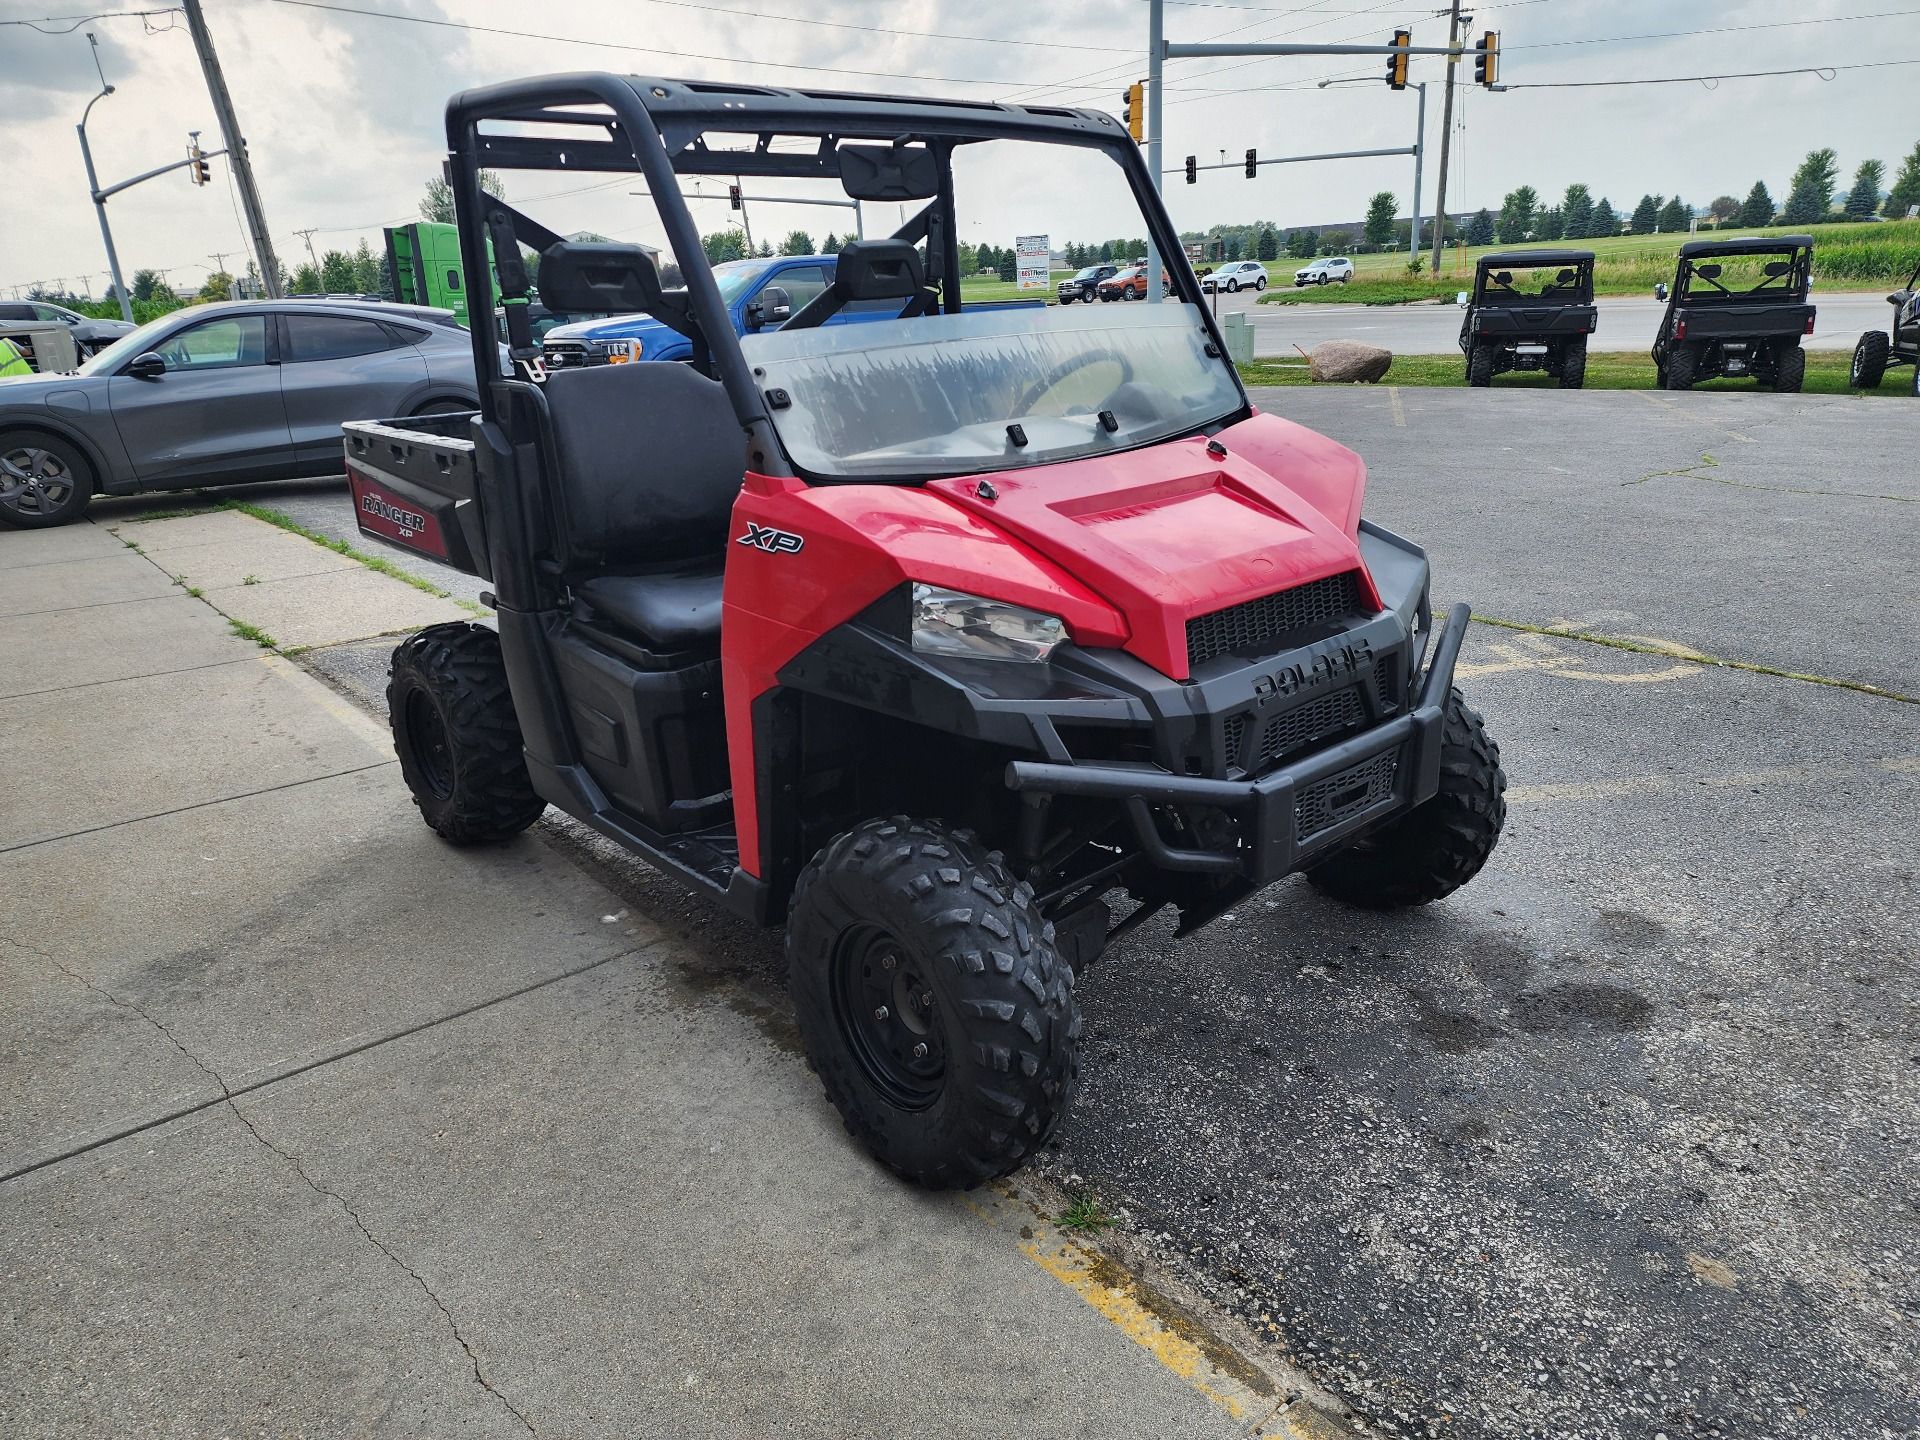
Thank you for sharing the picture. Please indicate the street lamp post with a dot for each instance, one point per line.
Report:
(93, 185)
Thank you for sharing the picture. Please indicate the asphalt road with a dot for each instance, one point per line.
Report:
(1435, 329)
(1621, 1140)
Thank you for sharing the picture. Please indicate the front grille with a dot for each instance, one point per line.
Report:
(1306, 724)
(1263, 626)
(567, 353)
(1341, 796)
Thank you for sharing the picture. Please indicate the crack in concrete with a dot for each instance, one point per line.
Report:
(293, 1160)
(1698, 471)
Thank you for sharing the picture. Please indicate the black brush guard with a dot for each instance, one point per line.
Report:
(1295, 811)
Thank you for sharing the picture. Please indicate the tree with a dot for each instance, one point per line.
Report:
(437, 204)
(336, 272)
(1757, 209)
(1233, 247)
(1604, 221)
(1106, 252)
(798, 242)
(831, 246)
(1480, 228)
(1577, 206)
(1267, 245)
(1550, 224)
(1811, 195)
(1516, 215)
(1302, 243)
(147, 285)
(306, 280)
(1646, 215)
(1864, 198)
(724, 245)
(1675, 216)
(1723, 209)
(366, 270)
(1009, 265)
(1379, 227)
(219, 286)
(1906, 188)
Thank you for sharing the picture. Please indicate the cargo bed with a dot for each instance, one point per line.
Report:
(413, 485)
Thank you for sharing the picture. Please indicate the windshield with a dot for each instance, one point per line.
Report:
(1541, 282)
(1092, 272)
(991, 390)
(1742, 276)
(736, 277)
(134, 342)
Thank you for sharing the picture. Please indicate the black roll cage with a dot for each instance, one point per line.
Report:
(1792, 286)
(1579, 293)
(656, 127)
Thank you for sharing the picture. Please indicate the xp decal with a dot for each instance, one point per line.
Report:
(774, 542)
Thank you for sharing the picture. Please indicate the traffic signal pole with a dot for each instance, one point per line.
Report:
(237, 148)
(1156, 51)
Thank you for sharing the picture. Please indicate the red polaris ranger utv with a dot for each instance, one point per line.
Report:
(945, 636)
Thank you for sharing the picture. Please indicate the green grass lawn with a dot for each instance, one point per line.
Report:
(1826, 374)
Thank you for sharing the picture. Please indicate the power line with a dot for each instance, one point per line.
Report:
(635, 49)
(1824, 72)
(71, 23)
(1716, 30)
(884, 29)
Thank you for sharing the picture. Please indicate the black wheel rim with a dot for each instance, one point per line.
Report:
(427, 739)
(889, 1018)
(34, 481)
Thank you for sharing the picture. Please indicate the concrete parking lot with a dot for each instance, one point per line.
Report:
(1618, 1142)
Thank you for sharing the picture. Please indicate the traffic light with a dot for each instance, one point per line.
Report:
(1253, 165)
(733, 197)
(1397, 62)
(197, 171)
(1136, 110)
(1193, 169)
(1486, 58)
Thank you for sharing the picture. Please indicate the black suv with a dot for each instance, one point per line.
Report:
(1084, 284)
(1737, 307)
(1529, 310)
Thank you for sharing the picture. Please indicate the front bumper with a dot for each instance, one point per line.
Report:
(1289, 815)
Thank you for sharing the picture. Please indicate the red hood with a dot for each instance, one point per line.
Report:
(1170, 532)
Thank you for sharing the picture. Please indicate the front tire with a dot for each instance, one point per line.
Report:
(932, 1003)
(1573, 364)
(457, 736)
(1434, 849)
(1869, 361)
(1480, 366)
(44, 481)
(1233, 287)
(1789, 370)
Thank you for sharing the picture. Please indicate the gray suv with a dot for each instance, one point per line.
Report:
(89, 334)
(221, 394)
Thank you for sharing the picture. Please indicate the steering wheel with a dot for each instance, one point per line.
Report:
(1067, 369)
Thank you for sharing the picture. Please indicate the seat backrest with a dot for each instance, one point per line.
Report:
(650, 458)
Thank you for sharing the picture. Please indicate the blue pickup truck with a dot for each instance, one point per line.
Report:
(760, 295)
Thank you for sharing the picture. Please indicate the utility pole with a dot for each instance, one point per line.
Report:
(237, 147)
(307, 235)
(93, 184)
(1156, 63)
(219, 259)
(1419, 157)
(1446, 135)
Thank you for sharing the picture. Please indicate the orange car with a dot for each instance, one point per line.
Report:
(1130, 284)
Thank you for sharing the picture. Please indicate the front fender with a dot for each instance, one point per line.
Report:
(112, 474)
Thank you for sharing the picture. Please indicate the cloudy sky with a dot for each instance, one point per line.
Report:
(343, 110)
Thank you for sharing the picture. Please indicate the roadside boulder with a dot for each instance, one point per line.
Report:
(1347, 362)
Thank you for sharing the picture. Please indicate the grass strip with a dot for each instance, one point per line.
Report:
(341, 547)
(1828, 372)
(1678, 652)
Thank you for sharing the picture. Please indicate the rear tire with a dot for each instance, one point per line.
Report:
(931, 1000)
(1789, 370)
(1433, 850)
(1681, 363)
(1573, 364)
(1260, 283)
(457, 736)
(1869, 361)
(1480, 366)
(45, 481)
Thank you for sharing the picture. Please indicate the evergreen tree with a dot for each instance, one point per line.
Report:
(1517, 215)
(1675, 216)
(1604, 221)
(1811, 195)
(1864, 198)
(306, 280)
(1906, 188)
(724, 245)
(1757, 208)
(1480, 228)
(1550, 224)
(831, 246)
(336, 272)
(366, 270)
(146, 285)
(799, 238)
(1267, 246)
(1302, 243)
(1233, 247)
(1646, 215)
(1576, 206)
(1379, 227)
(1009, 265)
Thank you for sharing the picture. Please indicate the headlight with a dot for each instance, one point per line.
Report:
(951, 622)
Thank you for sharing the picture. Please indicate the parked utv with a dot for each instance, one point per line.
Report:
(1737, 307)
(1899, 346)
(1536, 319)
(946, 641)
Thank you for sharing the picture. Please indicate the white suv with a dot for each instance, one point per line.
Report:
(1325, 271)
(1236, 275)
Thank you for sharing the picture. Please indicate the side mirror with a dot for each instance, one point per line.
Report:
(1660, 290)
(775, 305)
(146, 366)
(1460, 298)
